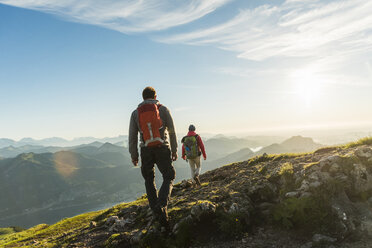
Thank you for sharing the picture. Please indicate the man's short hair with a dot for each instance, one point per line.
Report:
(148, 93)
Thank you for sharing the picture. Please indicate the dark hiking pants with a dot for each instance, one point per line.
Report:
(161, 156)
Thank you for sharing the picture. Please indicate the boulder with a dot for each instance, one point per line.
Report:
(111, 220)
(370, 201)
(334, 168)
(362, 180)
(136, 238)
(176, 227)
(315, 184)
(234, 208)
(304, 185)
(307, 245)
(202, 208)
(363, 152)
(319, 238)
(119, 225)
(326, 161)
(292, 194)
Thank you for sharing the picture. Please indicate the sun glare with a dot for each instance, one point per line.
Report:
(307, 86)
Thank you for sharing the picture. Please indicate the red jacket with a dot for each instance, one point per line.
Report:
(200, 145)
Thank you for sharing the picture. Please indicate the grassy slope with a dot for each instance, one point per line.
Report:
(65, 231)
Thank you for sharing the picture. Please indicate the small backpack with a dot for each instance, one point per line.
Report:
(150, 124)
(191, 146)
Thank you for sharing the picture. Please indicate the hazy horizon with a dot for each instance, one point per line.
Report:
(325, 135)
(77, 69)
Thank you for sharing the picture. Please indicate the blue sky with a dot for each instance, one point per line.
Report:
(73, 68)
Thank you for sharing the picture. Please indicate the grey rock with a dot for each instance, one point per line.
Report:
(304, 186)
(92, 224)
(307, 245)
(320, 238)
(136, 238)
(334, 168)
(305, 194)
(361, 178)
(340, 212)
(187, 219)
(292, 194)
(329, 160)
(202, 208)
(119, 225)
(315, 184)
(111, 220)
(363, 152)
(314, 176)
(234, 208)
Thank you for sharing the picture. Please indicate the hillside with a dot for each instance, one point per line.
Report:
(319, 199)
(49, 186)
(219, 147)
(294, 144)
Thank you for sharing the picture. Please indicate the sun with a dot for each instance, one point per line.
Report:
(307, 86)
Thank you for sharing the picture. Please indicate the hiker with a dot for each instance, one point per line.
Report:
(192, 148)
(153, 121)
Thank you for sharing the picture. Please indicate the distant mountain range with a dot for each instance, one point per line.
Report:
(221, 146)
(65, 183)
(45, 184)
(56, 141)
(295, 144)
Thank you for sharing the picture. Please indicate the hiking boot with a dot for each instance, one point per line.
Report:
(161, 215)
(197, 180)
(164, 220)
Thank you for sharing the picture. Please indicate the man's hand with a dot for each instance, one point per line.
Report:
(174, 156)
(135, 161)
(205, 158)
(184, 157)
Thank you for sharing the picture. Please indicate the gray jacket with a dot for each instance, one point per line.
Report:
(167, 126)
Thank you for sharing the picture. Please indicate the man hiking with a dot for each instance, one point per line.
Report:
(153, 121)
(192, 148)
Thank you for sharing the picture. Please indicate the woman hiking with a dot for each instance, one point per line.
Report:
(192, 148)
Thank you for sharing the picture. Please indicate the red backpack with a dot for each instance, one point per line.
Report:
(150, 124)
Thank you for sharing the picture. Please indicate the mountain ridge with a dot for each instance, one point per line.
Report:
(294, 200)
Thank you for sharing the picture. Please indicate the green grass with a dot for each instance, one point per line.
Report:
(115, 210)
(45, 233)
(48, 235)
(286, 169)
(6, 231)
(363, 141)
(17, 237)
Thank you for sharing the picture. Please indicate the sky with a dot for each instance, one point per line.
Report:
(73, 68)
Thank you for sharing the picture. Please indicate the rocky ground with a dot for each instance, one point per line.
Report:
(319, 199)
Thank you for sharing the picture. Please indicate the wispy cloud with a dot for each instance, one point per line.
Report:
(292, 29)
(125, 16)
